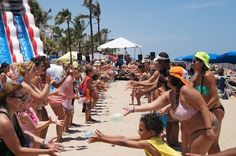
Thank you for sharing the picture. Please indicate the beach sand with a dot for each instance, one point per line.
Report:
(112, 102)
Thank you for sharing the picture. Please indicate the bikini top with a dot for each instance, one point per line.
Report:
(203, 90)
(183, 112)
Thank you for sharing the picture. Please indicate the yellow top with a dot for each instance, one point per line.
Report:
(161, 147)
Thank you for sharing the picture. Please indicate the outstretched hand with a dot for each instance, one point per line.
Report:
(128, 110)
(97, 137)
(51, 144)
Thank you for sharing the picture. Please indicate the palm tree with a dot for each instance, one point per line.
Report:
(88, 4)
(61, 17)
(97, 13)
(79, 27)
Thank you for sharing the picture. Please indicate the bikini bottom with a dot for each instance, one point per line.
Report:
(214, 123)
(219, 107)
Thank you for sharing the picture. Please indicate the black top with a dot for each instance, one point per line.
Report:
(4, 150)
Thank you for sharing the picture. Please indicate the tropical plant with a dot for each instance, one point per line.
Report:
(88, 4)
(65, 16)
(97, 13)
(78, 32)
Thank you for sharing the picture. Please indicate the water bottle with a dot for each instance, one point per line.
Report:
(88, 134)
(117, 117)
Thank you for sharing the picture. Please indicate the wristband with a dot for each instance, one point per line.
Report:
(43, 145)
(131, 109)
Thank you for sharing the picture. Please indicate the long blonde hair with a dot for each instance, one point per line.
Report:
(25, 67)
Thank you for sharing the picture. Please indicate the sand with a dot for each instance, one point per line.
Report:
(112, 102)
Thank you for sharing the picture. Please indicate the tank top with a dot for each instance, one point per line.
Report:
(4, 150)
(161, 147)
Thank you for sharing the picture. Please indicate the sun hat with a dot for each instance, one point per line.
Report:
(180, 73)
(204, 57)
(163, 56)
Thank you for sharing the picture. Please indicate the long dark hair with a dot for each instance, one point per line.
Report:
(174, 81)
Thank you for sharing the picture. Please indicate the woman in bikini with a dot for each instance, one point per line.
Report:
(199, 125)
(205, 83)
(30, 71)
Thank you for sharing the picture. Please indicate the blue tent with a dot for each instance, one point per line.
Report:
(228, 57)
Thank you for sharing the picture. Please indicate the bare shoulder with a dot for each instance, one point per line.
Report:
(144, 143)
(6, 123)
(186, 89)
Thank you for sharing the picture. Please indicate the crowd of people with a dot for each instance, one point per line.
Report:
(182, 97)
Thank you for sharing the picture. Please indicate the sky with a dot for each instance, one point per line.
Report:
(178, 27)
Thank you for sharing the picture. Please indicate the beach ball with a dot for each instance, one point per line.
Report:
(117, 117)
(88, 134)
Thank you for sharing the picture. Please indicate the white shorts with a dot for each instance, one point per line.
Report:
(67, 104)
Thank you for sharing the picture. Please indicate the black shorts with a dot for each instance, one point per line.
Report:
(86, 106)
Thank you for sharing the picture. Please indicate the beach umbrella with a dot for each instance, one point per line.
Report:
(228, 57)
(213, 58)
(188, 58)
(179, 58)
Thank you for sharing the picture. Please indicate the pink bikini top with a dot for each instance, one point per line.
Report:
(183, 112)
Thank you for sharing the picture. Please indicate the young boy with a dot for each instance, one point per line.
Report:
(150, 127)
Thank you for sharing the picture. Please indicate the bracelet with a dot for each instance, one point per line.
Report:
(131, 109)
(43, 145)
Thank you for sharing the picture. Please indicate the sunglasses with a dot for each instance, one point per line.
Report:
(196, 60)
(22, 98)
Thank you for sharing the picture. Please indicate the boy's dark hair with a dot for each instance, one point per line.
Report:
(4, 65)
(38, 60)
(152, 121)
(88, 70)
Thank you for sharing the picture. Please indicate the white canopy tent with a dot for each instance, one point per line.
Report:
(66, 57)
(120, 43)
